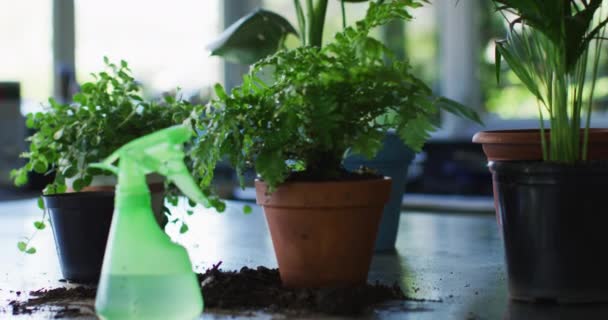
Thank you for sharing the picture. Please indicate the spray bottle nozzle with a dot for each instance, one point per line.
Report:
(160, 152)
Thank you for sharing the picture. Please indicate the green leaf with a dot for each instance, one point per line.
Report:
(220, 92)
(39, 225)
(183, 229)
(29, 121)
(87, 179)
(253, 37)
(19, 176)
(31, 250)
(416, 132)
(78, 184)
(189, 212)
(70, 171)
(40, 167)
(22, 246)
(247, 209)
(458, 109)
(497, 62)
(40, 203)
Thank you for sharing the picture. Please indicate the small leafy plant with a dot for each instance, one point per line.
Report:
(554, 48)
(320, 103)
(107, 113)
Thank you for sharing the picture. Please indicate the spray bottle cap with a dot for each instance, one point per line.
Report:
(160, 152)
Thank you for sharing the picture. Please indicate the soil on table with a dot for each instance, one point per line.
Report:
(261, 288)
(246, 289)
(60, 300)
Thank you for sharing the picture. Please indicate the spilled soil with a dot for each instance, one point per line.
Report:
(261, 288)
(60, 300)
(246, 289)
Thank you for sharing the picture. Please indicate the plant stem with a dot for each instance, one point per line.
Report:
(316, 20)
(301, 21)
(343, 14)
(596, 60)
(310, 21)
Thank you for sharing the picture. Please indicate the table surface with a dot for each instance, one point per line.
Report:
(453, 260)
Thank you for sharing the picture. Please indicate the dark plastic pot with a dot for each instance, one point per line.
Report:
(553, 220)
(81, 224)
(392, 161)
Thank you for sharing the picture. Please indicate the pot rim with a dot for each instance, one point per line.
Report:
(528, 136)
(326, 194)
(87, 194)
(326, 182)
(79, 200)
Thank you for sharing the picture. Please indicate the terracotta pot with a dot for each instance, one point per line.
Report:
(514, 145)
(323, 233)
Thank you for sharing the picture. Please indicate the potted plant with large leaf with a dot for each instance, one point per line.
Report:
(295, 130)
(105, 114)
(262, 33)
(549, 183)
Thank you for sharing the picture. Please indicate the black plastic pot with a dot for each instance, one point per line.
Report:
(81, 224)
(554, 221)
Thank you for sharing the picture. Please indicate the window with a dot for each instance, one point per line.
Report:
(164, 42)
(26, 55)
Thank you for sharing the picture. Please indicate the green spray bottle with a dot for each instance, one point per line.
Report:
(145, 275)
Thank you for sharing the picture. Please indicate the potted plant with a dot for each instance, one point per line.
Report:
(262, 33)
(295, 129)
(549, 183)
(107, 113)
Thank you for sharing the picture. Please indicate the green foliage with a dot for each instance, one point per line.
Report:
(321, 103)
(549, 49)
(105, 114)
(568, 24)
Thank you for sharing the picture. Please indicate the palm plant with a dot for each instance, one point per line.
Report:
(554, 48)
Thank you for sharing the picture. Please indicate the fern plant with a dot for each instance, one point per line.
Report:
(320, 103)
(554, 48)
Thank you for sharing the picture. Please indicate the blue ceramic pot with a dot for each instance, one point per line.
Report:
(392, 161)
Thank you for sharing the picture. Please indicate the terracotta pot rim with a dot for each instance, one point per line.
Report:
(525, 144)
(326, 182)
(326, 194)
(527, 136)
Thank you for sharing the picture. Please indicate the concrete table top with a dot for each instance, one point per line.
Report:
(453, 261)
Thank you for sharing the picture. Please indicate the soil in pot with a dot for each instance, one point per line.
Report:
(553, 220)
(81, 224)
(246, 289)
(323, 233)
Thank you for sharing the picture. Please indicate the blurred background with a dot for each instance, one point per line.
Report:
(49, 46)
